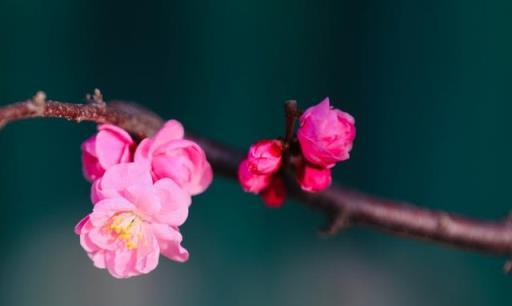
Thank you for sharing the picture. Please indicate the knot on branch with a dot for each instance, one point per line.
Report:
(38, 103)
(96, 99)
(443, 223)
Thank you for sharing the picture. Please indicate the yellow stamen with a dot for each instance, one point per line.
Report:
(128, 228)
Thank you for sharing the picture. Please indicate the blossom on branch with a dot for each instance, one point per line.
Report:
(140, 199)
(170, 156)
(326, 134)
(134, 222)
(265, 156)
(312, 178)
(258, 172)
(325, 137)
(110, 146)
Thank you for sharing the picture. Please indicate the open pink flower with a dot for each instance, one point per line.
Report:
(325, 134)
(170, 156)
(134, 221)
(313, 179)
(264, 157)
(110, 146)
(250, 181)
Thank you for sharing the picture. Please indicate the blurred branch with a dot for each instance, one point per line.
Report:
(342, 206)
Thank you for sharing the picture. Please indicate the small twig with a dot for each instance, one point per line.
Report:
(290, 110)
(507, 268)
(337, 221)
(493, 237)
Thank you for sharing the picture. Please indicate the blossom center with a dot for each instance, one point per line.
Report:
(127, 227)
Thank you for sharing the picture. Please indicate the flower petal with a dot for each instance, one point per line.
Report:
(169, 240)
(172, 130)
(120, 177)
(144, 198)
(105, 209)
(174, 202)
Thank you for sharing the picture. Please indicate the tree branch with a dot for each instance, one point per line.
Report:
(342, 206)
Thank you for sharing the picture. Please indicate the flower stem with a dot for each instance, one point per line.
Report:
(290, 109)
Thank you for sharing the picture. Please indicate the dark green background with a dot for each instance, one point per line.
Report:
(428, 83)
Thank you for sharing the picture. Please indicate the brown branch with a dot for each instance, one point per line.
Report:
(290, 111)
(138, 121)
(341, 205)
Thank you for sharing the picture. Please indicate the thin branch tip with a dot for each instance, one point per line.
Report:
(98, 96)
(338, 221)
(290, 109)
(507, 267)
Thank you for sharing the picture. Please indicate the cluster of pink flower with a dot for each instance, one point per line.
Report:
(141, 195)
(325, 137)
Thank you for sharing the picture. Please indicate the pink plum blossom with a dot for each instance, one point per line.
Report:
(250, 181)
(264, 157)
(275, 194)
(134, 221)
(170, 156)
(325, 134)
(110, 146)
(313, 179)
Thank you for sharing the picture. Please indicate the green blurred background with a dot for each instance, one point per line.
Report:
(429, 85)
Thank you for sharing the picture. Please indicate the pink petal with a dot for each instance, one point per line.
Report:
(105, 209)
(121, 263)
(251, 182)
(313, 179)
(172, 130)
(275, 194)
(120, 177)
(206, 178)
(174, 203)
(319, 110)
(96, 192)
(142, 151)
(315, 153)
(100, 239)
(90, 166)
(89, 145)
(110, 149)
(81, 224)
(144, 198)
(98, 259)
(169, 240)
(264, 157)
(148, 253)
(115, 130)
(87, 244)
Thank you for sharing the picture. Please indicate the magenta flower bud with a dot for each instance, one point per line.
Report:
(264, 157)
(110, 146)
(275, 194)
(313, 179)
(326, 135)
(250, 181)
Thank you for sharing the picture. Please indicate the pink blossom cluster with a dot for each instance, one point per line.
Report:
(258, 173)
(325, 137)
(141, 195)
